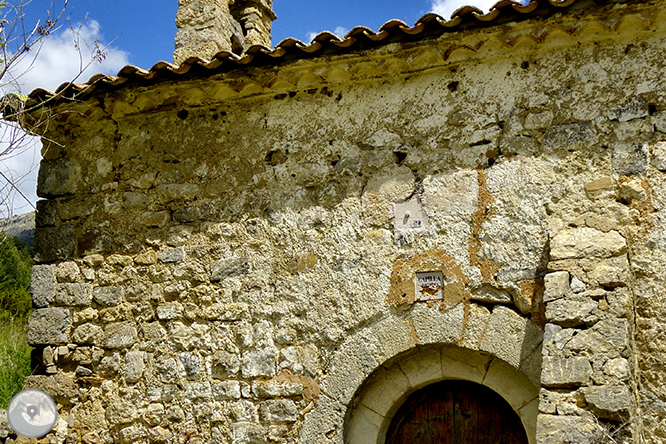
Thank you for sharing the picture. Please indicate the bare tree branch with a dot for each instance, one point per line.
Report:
(21, 42)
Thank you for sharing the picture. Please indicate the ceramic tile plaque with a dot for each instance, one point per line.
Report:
(429, 286)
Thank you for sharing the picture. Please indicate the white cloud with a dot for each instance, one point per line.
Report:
(56, 62)
(59, 60)
(340, 31)
(447, 7)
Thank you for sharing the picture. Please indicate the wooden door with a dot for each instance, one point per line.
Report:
(456, 412)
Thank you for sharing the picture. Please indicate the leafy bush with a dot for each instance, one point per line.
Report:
(15, 306)
(15, 267)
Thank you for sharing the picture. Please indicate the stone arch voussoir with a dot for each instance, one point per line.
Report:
(374, 370)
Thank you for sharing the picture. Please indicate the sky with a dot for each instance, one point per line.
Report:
(142, 32)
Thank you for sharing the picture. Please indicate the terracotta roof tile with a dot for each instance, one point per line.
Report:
(429, 26)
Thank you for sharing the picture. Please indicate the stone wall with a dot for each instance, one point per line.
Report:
(239, 258)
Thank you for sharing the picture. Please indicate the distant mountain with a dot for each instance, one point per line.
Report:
(22, 227)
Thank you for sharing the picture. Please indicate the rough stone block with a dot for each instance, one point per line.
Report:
(565, 372)
(612, 402)
(131, 434)
(58, 177)
(571, 312)
(659, 151)
(191, 364)
(87, 334)
(182, 335)
(243, 411)
(611, 335)
(634, 108)
(42, 285)
(617, 368)
(491, 295)
(83, 371)
(5, 429)
(247, 433)
(633, 190)
(505, 336)
(76, 295)
(153, 414)
(60, 387)
(198, 390)
(227, 312)
(599, 187)
(570, 135)
(451, 197)
(531, 366)
(168, 192)
(171, 256)
(67, 271)
(630, 158)
(192, 214)
(224, 364)
(109, 365)
(555, 338)
(159, 435)
(274, 389)
(119, 335)
(49, 326)
(553, 429)
(585, 243)
(432, 325)
(556, 286)
(153, 335)
(611, 272)
(153, 218)
(134, 365)
(54, 243)
(169, 311)
(475, 327)
(227, 268)
(521, 145)
(354, 360)
(327, 416)
(226, 390)
(278, 411)
(538, 120)
(300, 360)
(46, 215)
(262, 362)
(108, 295)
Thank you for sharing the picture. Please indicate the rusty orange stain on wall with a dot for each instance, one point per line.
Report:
(488, 268)
(402, 293)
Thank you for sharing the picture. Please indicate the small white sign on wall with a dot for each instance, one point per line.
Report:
(409, 216)
(429, 286)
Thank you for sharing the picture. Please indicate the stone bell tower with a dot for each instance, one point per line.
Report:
(206, 27)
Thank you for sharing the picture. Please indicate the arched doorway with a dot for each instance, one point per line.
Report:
(455, 412)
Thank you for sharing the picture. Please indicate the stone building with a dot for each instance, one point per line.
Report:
(287, 246)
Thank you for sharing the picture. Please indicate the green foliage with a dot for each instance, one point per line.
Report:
(14, 358)
(15, 306)
(15, 267)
